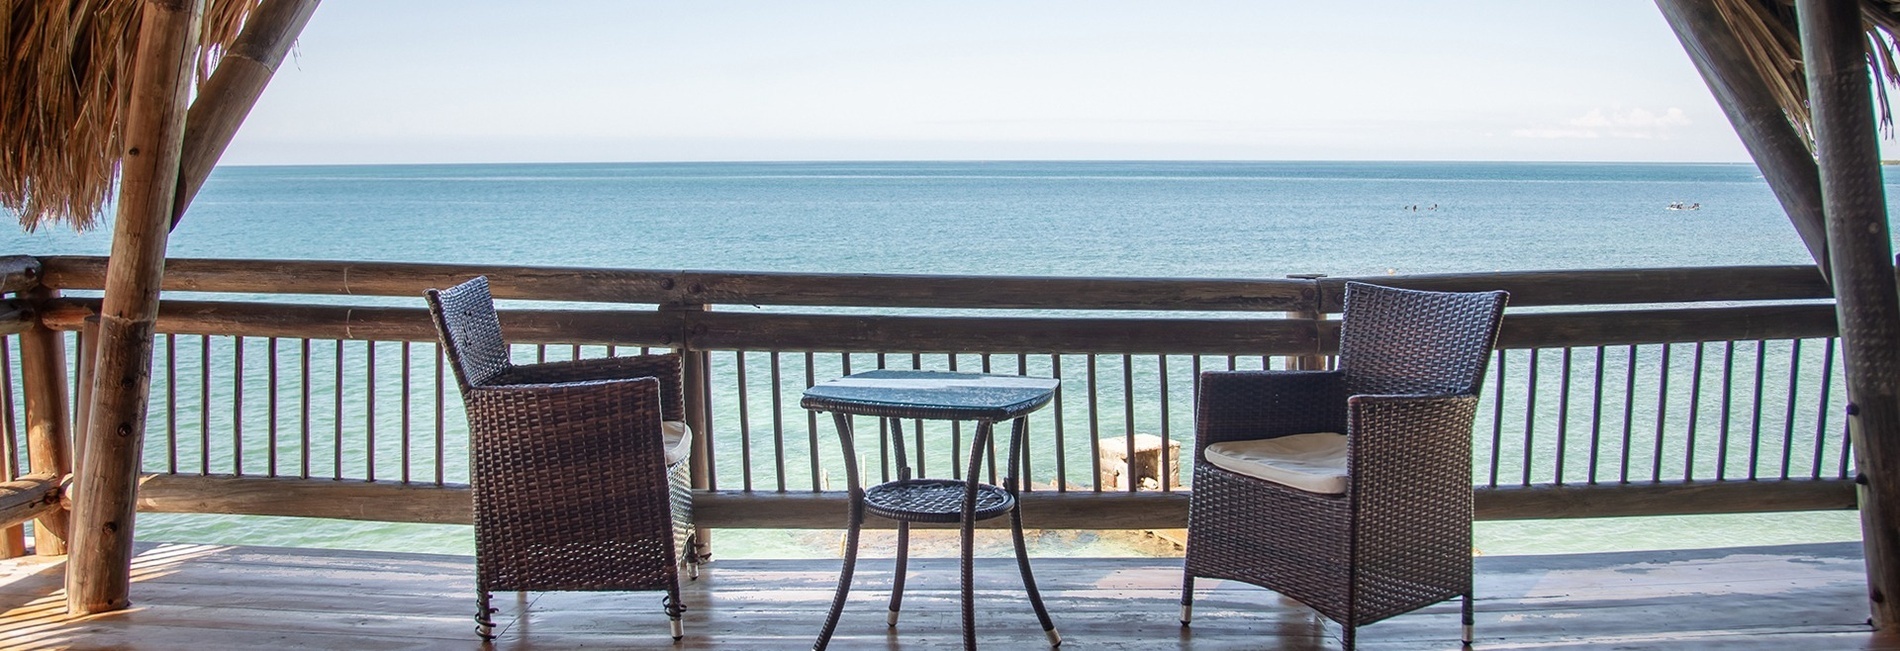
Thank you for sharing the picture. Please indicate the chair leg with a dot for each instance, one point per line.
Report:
(1187, 598)
(1468, 619)
(675, 610)
(484, 625)
(1351, 632)
(691, 562)
(897, 581)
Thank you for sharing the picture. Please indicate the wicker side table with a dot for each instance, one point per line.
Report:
(894, 395)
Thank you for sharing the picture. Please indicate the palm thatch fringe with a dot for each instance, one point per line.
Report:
(65, 70)
(1769, 32)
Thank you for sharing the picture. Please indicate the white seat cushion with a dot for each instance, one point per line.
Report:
(1314, 462)
(679, 440)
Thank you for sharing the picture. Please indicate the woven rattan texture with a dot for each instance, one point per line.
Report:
(568, 471)
(1405, 395)
(934, 500)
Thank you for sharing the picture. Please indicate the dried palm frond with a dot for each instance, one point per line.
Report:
(66, 70)
(1768, 31)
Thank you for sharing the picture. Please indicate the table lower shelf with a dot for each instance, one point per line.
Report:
(934, 500)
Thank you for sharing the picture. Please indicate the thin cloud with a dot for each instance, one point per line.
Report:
(1624, 124)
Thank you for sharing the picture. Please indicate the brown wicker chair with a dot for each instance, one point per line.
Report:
(1388, 532)
(576, 485)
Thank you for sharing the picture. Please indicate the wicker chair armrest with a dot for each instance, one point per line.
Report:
(1414, 445)
(1240, 405)
(663, 367)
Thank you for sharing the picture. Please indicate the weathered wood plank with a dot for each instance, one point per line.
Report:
(395, 502)
(675, 287)
(1528, 288)
(885, 333)
(27, 498)
(215, 597)
(19, 273)
(1612, 286)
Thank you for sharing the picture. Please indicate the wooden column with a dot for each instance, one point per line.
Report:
(48, 434)
(1866, 304)
(228, 96)
(694, 364)
(98, 577)
(1778, 150)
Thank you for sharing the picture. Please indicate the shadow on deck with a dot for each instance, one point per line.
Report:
(216, 597)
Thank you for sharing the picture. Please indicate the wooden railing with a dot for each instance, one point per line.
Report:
(315, 388)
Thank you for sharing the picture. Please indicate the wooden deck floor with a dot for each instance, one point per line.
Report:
(212, 597)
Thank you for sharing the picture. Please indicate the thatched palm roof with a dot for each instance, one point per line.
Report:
(65, 68)
(67, 60)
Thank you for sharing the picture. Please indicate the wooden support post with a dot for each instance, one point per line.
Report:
(99, 570)
(1833, 46)
(1315, 312)
(1778, 150)
(48, 435)
(227, 97)
(694, 366)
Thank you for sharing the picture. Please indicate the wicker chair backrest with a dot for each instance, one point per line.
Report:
(1403, 341)
(471, 332)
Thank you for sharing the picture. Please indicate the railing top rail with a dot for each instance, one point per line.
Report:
(607, 285)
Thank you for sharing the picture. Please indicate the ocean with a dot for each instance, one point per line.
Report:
(1140, 219)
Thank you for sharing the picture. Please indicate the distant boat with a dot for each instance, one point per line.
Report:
(1677, 205)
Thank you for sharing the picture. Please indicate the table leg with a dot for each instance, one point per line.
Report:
(897, 580)
(851, 535)
(984, 430)
(1016, 530)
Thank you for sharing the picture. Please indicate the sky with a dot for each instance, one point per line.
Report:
(430, 81)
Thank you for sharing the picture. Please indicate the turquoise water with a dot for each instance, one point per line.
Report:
(1265, 219)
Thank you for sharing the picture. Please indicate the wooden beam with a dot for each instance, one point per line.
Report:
(19, 273)
(1779, 151)
(27, 498)
(1042, 509)
(48, 430)
(99, 575)
(607, 285)
(228, 96)
(1833, 46)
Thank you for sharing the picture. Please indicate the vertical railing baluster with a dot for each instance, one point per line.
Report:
(1563, 418)
(204, 405)
(1062, 449)
(917, 428)
(811, 422)
(1695, 416)
(1167, 436)
(1095, 423)
(1794, 382)
(408, 403)
(270, 430)
(303, 406)
(441, 415)
(1629, 416)
(1530, 414)
(1497, 422)
(1128, 419)
(336, 419)
(171, 404)
(1662, 413)
(745, 418)
(1728, 406)
(1754, 430)
(1820, 412)
(369, 410)
(237, 405)
(1596, 416)
(778, 421)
